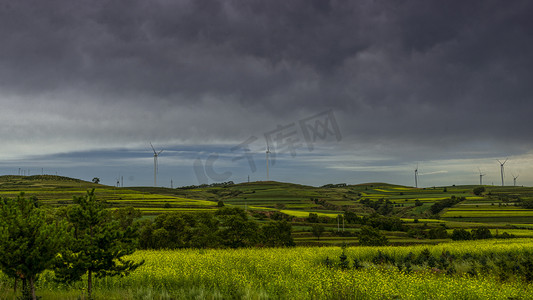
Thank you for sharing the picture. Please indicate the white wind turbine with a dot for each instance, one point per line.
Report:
(481, 177)
(416, 176)
(267, 155)
(514, 178)
(156, 154)
(501, 168)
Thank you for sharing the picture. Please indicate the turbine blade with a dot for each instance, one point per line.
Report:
(152, 147)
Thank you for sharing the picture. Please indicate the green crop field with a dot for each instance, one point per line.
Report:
(294, 200)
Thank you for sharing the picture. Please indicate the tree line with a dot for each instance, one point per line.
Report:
(226, 228)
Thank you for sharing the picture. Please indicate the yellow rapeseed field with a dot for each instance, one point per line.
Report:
(300, 273)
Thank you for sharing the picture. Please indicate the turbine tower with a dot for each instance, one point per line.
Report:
(501, 168)
(267, 155)
(416, 176)
(481, 177)
(156, 154)
(514, 179)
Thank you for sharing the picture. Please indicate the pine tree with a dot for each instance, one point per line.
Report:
(29, 243)
(98, 246)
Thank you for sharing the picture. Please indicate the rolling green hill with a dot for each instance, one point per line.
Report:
(498, 208)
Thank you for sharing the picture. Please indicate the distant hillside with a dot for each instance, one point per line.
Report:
(13, 178)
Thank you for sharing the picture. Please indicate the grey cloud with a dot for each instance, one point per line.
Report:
(419, 73)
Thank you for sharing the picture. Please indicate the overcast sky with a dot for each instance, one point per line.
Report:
(343, 91)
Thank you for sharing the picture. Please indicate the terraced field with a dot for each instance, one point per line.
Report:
(56, 191)
(495, 209)
(493, 213)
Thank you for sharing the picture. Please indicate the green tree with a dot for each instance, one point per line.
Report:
(96, 180)
(313, 218)
(461, 235)
(98, 246)
(205, 232)
(481, 233)
(317, 230)
(351, 217)
(370, 236)
(478, 191)
(146, 236)
(126, 217)
(171, 231)
(277, 234)
(236, 229)
(29, 243)
(438, 233)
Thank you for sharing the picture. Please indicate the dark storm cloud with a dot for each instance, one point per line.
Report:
(397, 73)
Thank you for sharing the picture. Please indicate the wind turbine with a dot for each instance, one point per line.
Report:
(481, 177)
(501, 167)
(156, 154)
(267, 155)
(416, 176)
(514, 178)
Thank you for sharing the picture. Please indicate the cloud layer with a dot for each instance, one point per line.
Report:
(410, 80)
